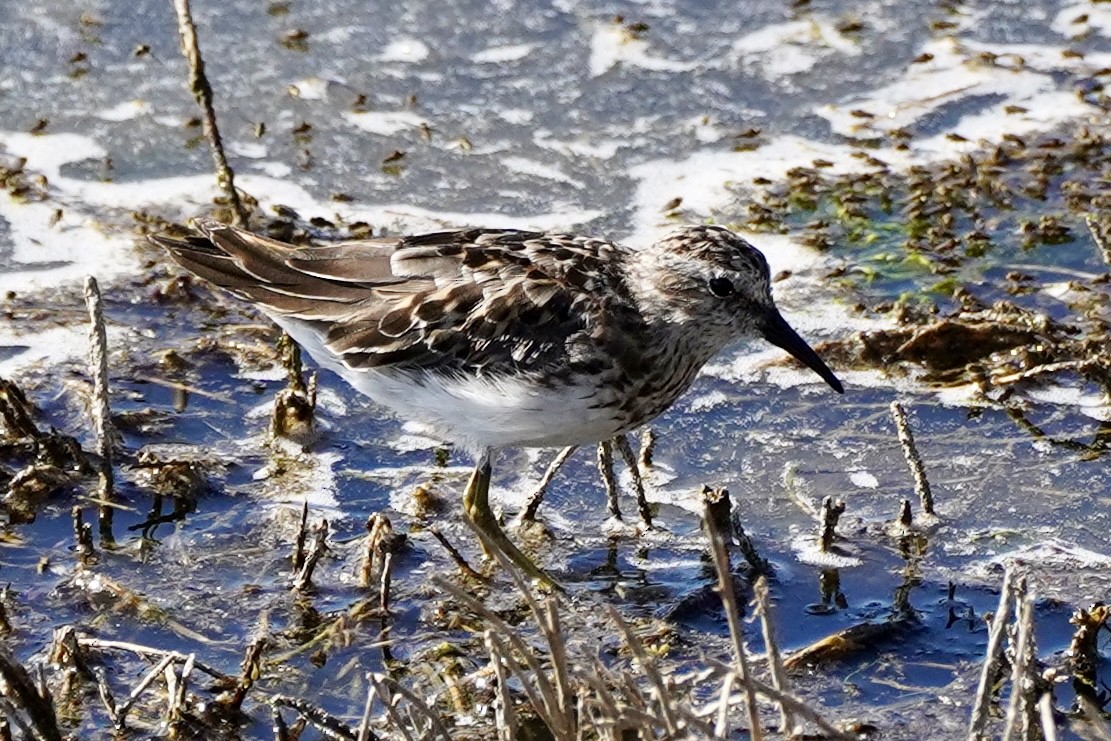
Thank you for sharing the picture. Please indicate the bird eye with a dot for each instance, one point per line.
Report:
(721, 287)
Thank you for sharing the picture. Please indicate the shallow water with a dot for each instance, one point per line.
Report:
(550, 116)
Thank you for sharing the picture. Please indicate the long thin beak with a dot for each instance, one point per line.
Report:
(777, 331)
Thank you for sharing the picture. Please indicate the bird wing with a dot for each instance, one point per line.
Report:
(474, 301)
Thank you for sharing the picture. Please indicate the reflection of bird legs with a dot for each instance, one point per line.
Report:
(609, 480)
(476, 506)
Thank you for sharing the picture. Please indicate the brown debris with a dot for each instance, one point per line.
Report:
(29, 698)
(303, 581)
(1083, 653)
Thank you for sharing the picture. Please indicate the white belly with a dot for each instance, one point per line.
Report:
(475, 412)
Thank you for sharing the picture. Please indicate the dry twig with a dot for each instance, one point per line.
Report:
(914, 459)
(202, 91)
(732, 615)
(775, 661)
(303, 581)
(21, 691)
(831, 512)
(990, 669)
(537, 496)
(102, 414)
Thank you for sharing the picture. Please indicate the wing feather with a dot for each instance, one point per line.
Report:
(472, 301)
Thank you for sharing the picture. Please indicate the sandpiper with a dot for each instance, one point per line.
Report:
(499, 337)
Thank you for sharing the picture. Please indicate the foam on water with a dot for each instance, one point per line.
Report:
(611, 45)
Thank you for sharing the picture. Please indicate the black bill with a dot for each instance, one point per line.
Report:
(777, 331)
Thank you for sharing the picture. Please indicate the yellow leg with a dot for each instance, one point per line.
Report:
(476, 506)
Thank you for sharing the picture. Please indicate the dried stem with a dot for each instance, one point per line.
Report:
(537, 496)
(456, 556)
(325, 722)
(319, 548)
(21, 689)
(914, 460)
(831, 512)
(249, 670)
(775, 660)
(202, 91)
(1100, 237)
(1045, 714)
(906, 517)
(298, 558)
(732, 615)
(149, 652)
(505, 716)
(416, 704)
(1022, 704)
(991, 661)
(101, 412)
(122, 710)
(364, 733)
(83, 535)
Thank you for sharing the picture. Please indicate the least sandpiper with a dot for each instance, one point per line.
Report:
(498, 337)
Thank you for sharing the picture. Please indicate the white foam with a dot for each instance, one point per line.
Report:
(784, 49)
(502, 54)
(1098, 19)
(125, 111)
(406, 50)
(612, 45)
(864, 480)
(538, 169)
(384, 123)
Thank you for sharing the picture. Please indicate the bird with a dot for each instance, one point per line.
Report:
(496, 338)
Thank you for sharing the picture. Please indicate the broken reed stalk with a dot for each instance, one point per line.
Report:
(24, 695)
(830, 513)
(990, 668)
(435, 726)
(149, 652)
(249, 669)
(202, 92)
(363, 733)
(906, 517)
(775, 660)
(1021, 707)
(456, 556)
(1100, 237)
(381, 545)
(277, 724)
(297, 560)
(732, 616)
(101, 413)
(505, 717)
(914, 460)
(325, 722)
(1045, 714)
(120, 717)
(537, 496)
(626, 450)
(83, 534)
(319, 547)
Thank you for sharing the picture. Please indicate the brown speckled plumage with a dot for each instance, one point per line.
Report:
(621, 333)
